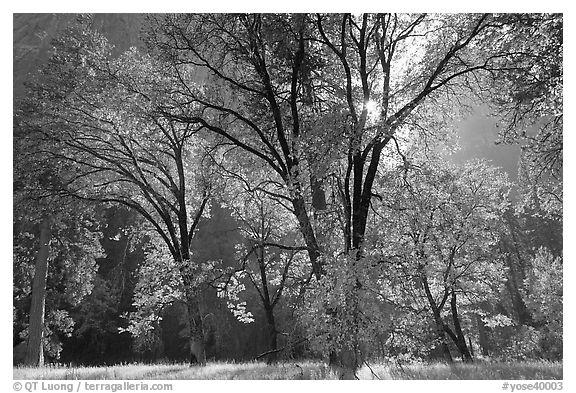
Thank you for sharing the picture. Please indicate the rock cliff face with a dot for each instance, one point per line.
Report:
(33, 33)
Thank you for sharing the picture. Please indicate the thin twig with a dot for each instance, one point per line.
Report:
(372, 371)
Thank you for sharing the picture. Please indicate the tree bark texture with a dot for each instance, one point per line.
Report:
(461, 340)
(344, 362)
(197, 341)
(440, 328)
(483, 336)
(309, 235)
(272, 335)
(35, 350)
(440, 325)
(347, 359)
(318, 193)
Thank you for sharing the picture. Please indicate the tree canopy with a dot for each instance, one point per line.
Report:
(327, 140)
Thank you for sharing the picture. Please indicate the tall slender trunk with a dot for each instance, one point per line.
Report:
(34, 350)
(348, 357)
(197, 341)
(444, 343)
(345, 363)
(346, 360)
(470, 346)
(516, 273)
(483, 336)
(440, 326)
(441, 331)
(461, 340)
(272, 334)
(318, 194)
(309, 235)
(513, 284)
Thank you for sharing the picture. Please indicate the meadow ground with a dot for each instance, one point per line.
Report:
(296, 370)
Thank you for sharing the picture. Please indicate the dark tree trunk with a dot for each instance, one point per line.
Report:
(441, 331)
(470, 346)
(520, 308)
(271, 332)
(460, 339)
(348, 357)
(441, 328)
(318, 194)
(309, 235)
(35, 350)
(272, 335)
(197, 341)
(483, 336)
(446, 355)
(443, 342)
(345, 363)
(516, 273)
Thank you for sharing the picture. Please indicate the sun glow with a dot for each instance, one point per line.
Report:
(372, 107)
(373, 110)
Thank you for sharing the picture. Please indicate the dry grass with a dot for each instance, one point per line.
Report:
(296, 370)
(213, 370)
(479, 370)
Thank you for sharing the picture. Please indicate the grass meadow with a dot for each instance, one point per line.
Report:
(532, 370)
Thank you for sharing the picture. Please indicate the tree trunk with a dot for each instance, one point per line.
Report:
(318, 194)
(441, 333)
(272, 335)
(271, 332)
(483, 336)
(444, 343)
(344, 363)
(197, 341)
(309, 235)
(35, 351)
(470, 346)
(461, 340)
(440, 326)
(513, 284)
(516, 273)
(346, 360)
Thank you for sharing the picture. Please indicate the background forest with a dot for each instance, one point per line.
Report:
(198, 187)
